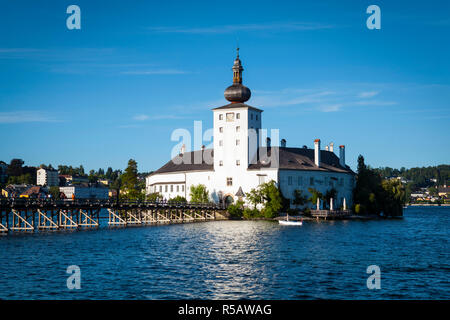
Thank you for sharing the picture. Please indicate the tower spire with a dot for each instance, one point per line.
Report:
(237, 68)
(237, 92)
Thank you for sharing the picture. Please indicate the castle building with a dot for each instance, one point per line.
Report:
(242, 159)
(47, 177)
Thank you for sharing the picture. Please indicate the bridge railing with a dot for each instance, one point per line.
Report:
(24, 202)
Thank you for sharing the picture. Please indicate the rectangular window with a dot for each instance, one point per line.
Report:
(182, 188)
(238, 115)
(220, 143)
(251, 116)
(171, 188)
(256, 117)
(165, 189)
(238, 142)
(221, 129)
(341, 182)
(300, 181)
(262, 179)
(238, 162)
(178, 188)
(230, 116)
(220, 163)
(238, 129)
(229, 181)
(311, 181)
(290, 181)
(220, 116)
(160, 188)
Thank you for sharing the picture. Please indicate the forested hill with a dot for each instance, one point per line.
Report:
(419, 177)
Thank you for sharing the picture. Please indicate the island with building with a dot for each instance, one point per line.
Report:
(245, 171)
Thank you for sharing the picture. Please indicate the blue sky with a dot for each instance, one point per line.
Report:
(137, 70)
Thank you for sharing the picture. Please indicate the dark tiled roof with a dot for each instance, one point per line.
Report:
(237, 105)
(32, 190)
(172, 165)
(289, 159)
(303, 159)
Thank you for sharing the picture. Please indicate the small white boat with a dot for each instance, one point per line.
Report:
(288, 222)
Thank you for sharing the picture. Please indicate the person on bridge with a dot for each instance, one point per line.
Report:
(73, 196)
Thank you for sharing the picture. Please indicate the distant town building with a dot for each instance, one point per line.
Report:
(47, 177)
(105, 182)
(34, 192)
(69, 179)
(444, 191)
(14, 190)
(84, 192)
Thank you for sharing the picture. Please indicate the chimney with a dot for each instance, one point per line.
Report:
(283, 143)
(183, 148)
(331, 147)
(326, 148)
(203, 147)
(268, 142)
(342, 155)
(317, 152)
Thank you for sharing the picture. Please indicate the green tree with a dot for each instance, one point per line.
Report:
(178, 199)
(153, 196)
(236, 210)
(199, 194)
(299, 198)
(129, 180)
(273, 199)
(315, 194)
(54, 191)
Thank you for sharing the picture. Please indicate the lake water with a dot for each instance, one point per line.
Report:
(236, 260)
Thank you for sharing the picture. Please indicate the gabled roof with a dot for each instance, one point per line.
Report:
(303, 159)
(237, 105)
(189, 165)
(289, 159)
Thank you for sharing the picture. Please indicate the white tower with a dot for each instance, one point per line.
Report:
(236, 132)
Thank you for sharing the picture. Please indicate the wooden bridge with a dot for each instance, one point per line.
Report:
(330, 214)
(29, 215)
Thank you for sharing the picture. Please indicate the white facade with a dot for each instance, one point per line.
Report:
(47, 177)
(237, 138)
(84, 192)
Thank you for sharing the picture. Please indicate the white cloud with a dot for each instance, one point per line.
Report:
(330, 108)
(150, 72)
(281, 27)
(141, 117)
(25, 116)
(367, 94)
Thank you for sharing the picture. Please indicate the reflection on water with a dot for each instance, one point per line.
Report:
(236, 260)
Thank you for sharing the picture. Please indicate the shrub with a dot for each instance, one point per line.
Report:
(236, 210)
(251, 213)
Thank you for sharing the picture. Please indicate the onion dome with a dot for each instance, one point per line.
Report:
(237, 92)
